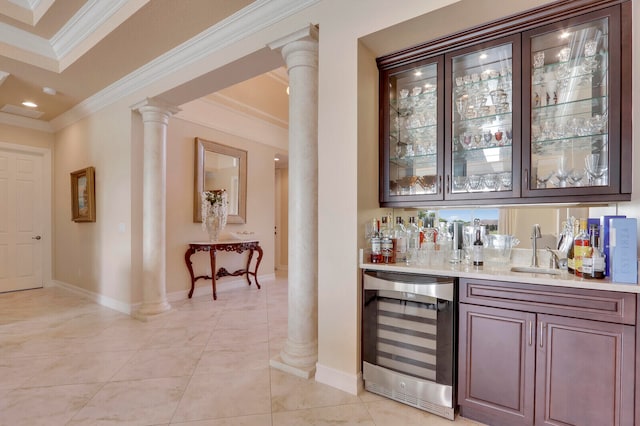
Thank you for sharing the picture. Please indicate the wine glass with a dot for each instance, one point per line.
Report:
(542, 179)
(563, 172)
(575, 177)
(595, 170)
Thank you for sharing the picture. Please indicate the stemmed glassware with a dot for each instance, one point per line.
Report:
(594, 168)
(542, 179)
(563, 172)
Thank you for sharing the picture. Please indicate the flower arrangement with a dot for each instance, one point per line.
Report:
(214, 204)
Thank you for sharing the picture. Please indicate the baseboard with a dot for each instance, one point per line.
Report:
(100, 299)
(339, 379)
(128, 308)
(203, 287)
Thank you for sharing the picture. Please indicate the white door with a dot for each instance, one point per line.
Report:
(22, 207)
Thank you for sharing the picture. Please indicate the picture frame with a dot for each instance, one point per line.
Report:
(83, 197)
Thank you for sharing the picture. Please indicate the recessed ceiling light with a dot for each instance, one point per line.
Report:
(49, 90)
(30, 104)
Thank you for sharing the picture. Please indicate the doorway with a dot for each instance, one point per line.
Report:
(25, 217)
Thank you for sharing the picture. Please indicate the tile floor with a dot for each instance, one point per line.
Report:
(67, 361)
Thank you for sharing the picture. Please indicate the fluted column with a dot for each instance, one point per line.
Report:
(155, 117)
(300, 353)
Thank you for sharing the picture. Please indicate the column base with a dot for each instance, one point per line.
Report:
(302, 372)
(149, 311)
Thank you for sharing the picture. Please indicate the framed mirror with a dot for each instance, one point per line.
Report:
(221, 167)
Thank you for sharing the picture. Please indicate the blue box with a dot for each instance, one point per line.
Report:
(604, 241)
(623, 244)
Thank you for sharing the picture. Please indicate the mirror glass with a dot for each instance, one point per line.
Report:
(516, 221)
(221, 167)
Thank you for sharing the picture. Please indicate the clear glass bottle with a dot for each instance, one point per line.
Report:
(386, 241)
(581, 247)
(375, 243)
(594, 265)
(413, 241)
(400, 241)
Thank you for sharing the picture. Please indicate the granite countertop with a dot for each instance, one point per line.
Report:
(503, 273)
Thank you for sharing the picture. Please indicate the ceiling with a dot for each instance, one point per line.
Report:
(73, 49)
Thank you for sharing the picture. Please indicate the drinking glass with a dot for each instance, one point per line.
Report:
(595, 170)
(542, 179)
(563, 172)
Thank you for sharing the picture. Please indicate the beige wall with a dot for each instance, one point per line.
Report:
(23, 136)
(180, 226)
(96, 257)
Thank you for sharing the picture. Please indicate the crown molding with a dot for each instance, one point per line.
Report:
(95, 20)
(253, 18)
(85, 29)
(217, 116)
(253, 112)
(25, 11)
(26, 122)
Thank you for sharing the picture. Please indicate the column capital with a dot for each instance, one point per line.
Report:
(309, 33)
(153, 109)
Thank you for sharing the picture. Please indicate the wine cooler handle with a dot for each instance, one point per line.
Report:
(448, 183)
(541, 337)
(530, 333)
(439, 184)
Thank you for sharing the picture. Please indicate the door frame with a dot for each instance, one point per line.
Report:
(47, 221)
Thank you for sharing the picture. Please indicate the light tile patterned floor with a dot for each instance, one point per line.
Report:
(67, 361)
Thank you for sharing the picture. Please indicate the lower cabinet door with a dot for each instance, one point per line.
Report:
(496, 365)
(584, 372)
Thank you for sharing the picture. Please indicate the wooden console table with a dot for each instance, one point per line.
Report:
(228, 246)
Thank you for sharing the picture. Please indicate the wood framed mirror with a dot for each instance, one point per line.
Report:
(221, 167)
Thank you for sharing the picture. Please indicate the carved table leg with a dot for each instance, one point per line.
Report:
(255, 272)
(212, 256)
(248, 264)
(187, 259)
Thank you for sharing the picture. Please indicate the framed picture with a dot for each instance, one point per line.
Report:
(83, 196)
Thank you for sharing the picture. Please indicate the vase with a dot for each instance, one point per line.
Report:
(214, 226)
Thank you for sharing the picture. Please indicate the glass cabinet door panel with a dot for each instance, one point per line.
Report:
(570, 107)
(413, 131)
(482, 105)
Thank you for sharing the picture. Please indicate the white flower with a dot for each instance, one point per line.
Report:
(214, 203)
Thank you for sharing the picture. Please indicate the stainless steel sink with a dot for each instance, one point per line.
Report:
(535, 270)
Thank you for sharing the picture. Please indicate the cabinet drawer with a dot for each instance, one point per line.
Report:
(597, 305)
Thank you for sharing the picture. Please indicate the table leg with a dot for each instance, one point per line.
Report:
(187, 259)
(212, 256)
(255, 272)
(248, 264)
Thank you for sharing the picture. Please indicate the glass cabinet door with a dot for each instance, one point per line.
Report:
(571, 145)
(414, 133)
(484, 111)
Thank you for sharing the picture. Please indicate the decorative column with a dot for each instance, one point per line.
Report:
(155, 117)
(300, 353)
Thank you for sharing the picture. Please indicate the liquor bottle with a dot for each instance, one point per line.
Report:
(421, 228)
(570, 253)
(375, 243)
(400, 241)
(478, 250)
(594, 266)
(581, 247)
(413, 241)
(386, 242)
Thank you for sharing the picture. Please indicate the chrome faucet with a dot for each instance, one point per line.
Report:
(535, 234)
